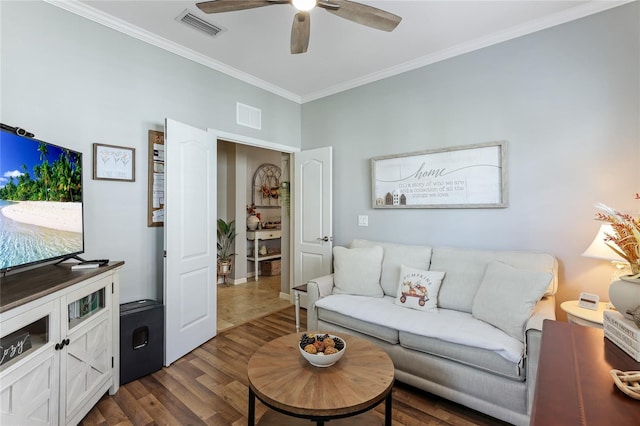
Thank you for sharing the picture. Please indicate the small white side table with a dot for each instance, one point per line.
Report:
(296, 294)
(584, 316)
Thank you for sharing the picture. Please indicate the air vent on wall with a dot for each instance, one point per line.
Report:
(248, 116)
(198, 23)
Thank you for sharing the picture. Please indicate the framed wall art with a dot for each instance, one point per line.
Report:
(266, 186)
(472, 176)
(112, 162)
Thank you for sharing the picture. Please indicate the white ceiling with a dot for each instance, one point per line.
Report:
(254, 45)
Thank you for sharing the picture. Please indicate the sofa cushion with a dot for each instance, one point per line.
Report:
(448, 325)
(386, 334)
(465, 270)
(395, 255)
(507, 295)
(357, 271)
(418, 289)
(469, 355)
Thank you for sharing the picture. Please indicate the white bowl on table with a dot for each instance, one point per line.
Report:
(322, 360)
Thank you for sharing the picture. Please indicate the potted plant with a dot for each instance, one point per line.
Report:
(226, 236)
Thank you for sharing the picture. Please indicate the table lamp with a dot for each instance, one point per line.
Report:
(623, 295)
(599, 250)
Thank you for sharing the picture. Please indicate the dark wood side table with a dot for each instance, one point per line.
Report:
(574, 386)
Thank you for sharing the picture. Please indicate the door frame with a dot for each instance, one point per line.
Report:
(247, 140)
(260, 143)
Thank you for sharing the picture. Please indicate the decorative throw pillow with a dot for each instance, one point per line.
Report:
(418, 289)
(357, 271)
(507, 295)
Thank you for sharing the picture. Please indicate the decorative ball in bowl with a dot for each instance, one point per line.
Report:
(321, 350)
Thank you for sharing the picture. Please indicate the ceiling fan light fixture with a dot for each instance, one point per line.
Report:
(304, 5)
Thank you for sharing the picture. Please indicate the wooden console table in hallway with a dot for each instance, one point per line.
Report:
(574, 386)
(261, 235)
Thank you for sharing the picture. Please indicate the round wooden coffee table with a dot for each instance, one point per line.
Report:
(283, 380)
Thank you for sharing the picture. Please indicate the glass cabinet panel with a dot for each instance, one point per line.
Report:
(23, 341)
(85, 307)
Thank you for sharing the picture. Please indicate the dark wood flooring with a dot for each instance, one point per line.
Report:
(209, 387)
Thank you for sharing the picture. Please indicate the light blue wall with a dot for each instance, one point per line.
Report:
(567, 101)
(73, 82)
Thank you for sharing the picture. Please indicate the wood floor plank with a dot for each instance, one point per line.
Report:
(161, 415)
(136, 389)
(236, 394)
(410, 416)
(223, 362)
(192, 401)
(94, 417)
(187, 374)
(170, 401)
(211, 371)
(131, 407)
(112, 412)
(235, 400)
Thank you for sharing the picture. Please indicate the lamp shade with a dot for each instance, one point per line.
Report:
(599, 250)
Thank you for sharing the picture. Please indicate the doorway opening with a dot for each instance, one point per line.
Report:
(240, 296)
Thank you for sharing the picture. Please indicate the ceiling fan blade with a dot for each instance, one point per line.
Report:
(363, 14)
(300, 32)
(219, 6)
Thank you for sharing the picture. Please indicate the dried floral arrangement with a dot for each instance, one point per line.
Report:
(625, 239)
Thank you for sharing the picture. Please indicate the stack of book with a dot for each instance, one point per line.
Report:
(623, 332)
(86, 305)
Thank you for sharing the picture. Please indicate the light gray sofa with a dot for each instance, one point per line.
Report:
(479, 347)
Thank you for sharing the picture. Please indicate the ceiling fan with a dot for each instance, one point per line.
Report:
(353, 11)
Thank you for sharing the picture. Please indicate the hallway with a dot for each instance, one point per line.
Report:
(241, 303)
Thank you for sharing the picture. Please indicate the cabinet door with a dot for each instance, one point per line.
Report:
(85, 362)
(29, 380)
(29, 395)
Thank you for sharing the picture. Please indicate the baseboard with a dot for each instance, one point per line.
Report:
(234, 282)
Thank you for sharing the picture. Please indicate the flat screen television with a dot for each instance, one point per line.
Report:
(41, 212)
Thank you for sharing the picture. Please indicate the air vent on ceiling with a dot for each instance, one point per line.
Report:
(199, 23)
(248, 116)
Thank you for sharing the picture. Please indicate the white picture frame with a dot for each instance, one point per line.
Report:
(471, 176)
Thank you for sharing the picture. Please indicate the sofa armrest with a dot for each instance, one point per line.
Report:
(317, 288)
(544, 309)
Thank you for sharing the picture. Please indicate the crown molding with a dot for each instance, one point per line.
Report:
(530, 27)
(95, 15)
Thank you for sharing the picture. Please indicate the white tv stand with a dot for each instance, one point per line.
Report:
(71, 321)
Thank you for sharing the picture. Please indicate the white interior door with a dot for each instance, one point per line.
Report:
(189, 238)
(312, 204)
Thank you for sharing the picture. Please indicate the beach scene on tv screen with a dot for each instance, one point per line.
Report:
(40, 201)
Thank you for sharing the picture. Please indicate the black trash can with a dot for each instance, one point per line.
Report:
(141, 339)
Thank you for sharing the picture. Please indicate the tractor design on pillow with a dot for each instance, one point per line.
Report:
(411, 289)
